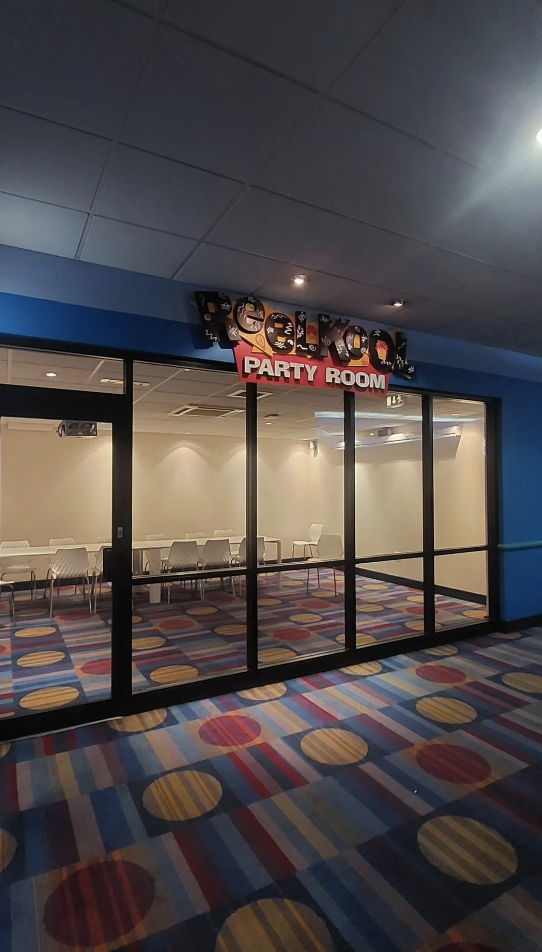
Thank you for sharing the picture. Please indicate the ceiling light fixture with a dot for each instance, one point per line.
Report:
(398, 303)
(269, 423)
(299, 279)
(50, 373)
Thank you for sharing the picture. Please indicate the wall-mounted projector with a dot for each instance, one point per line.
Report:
(78, 428)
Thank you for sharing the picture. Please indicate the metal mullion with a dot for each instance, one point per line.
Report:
(428, 502)
(349, 464)
(251, 529)
(121, 542)
(493, 460)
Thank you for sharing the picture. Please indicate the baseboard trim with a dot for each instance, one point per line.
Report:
(531, 621)
(419, 586)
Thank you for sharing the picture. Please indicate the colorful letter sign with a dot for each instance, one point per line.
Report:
(272, 347)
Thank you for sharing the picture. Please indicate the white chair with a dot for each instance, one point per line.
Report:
(241, 557)
(98, 575)
(315, 532)
(67, 540)
(195, 535)
(17, 564)
(216, 555)
(9, 588)
(183, 557)
(70, 564)
(329, 547)
(105, 539)
(223, 533)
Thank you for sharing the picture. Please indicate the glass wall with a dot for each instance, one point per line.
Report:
(300, 519)
(188, 520)
(37, 368)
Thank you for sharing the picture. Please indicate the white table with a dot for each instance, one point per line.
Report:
(153, 548)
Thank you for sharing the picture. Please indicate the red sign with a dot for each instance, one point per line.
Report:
(274, 348)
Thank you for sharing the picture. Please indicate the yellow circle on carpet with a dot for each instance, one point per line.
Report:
(8, 847)
(276, 655)
(266, 693)
(475, 613)
(139, 722)
(202, 610)
(415, 598)
(507, 635)
(145, 644)
(322, 592)
(136, 619)
(274, 925)
(369, 608)
(265, 602)
(446, 710)
(172, 673)
(4, 749)
(182, 795)
(340, 639)
(467, 850)
(362, 639)
(333, 745)
(47, 698)
(31, 613)
(442, 651)
(231, 630)
(367, 667)
(419, 625)
(36, 632)
(40, 659)
(304, 618)
(375, 588)
(523, 681)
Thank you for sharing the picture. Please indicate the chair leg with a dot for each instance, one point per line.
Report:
(335, 581)
(13, 604)
(308, 573)
(51, 596)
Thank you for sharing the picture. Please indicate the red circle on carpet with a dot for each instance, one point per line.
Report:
(99, 904)
(229, 731)
(453, 763)
(3, 649)
(315, 603)
(99, 666)
(415, 611)
(292, 634)
(441, 673)
(175, 624)
(74, 616)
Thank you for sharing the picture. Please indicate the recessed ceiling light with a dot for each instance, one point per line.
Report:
(371, 434)
(456, 414)
(50, 373)
(539, 136)
(398, 303)
(299, 279)
(269, 423)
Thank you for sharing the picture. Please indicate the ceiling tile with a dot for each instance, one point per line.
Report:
(317, 292)
(360, 168)
(312, 42)
(75, 61)
(228, 270)
(159, 193)
(40, 227)
(310, 238)
(438, 68)
(209, 109)
(132, 248)
(366, 301)
(43, 160)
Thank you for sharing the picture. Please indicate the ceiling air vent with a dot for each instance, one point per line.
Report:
(242, 394)
(210, 412)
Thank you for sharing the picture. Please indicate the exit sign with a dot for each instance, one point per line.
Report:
(394, 400)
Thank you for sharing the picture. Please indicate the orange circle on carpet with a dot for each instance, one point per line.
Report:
(41, 659)
(146, 644)
(37, 632)
(305, 618)
(74, 616)
(276, 655)
(172, 673)
(453, 763)
(99, 904)
(232, 730)
(440, 674)
(292, 634)
(98, 666)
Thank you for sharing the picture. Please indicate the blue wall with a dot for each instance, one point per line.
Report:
(521, 506)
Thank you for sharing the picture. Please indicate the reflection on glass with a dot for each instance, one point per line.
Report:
(460, 589)
(56, 607)
(36, 368)
(188, 515)
(388, 474)
(300, 503)
(389, 601)
(459, 454)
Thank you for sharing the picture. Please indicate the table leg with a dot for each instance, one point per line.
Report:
(155, 566)
(279, 559)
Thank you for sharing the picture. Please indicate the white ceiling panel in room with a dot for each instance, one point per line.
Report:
(436, 69)
(74, 61)
(315, 45)
(159, 193)
(49, 162)
(132, 248)
(210, 109)
(40, 227)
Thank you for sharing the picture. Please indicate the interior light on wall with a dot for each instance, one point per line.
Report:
(398, 303)
(299, 279)
(50, 373)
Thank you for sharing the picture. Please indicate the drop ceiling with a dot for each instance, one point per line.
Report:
(386, 148)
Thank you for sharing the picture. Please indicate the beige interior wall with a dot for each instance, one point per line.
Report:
(52, 487)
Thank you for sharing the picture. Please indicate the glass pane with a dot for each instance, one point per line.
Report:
(460, 589)
(189, 490)
(459, 453)
(300, 516)
(388, 474)
(55, 515)
(38, 368)
(389, 601)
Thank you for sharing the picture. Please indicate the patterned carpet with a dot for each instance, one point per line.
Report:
(46, 663)
(393, 806)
